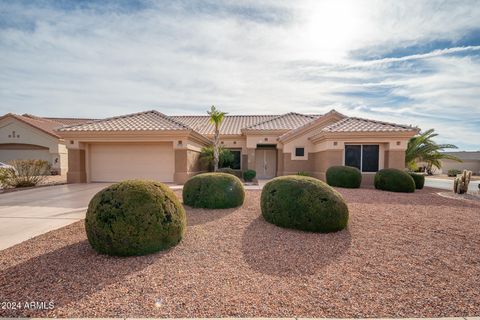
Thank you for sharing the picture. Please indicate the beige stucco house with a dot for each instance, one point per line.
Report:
(470, 161)
(152, 145)
(24, 137)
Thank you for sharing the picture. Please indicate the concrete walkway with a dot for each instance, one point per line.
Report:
(29, 213)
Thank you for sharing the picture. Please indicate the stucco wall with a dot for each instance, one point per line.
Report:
(28, 135)
(395, 159)
(76, 166)
(472, 165)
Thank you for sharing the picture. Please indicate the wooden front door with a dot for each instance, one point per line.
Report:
(266, 163)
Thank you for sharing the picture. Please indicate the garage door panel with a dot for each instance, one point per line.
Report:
(112, 162)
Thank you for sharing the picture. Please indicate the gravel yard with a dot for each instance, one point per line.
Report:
(403, 255)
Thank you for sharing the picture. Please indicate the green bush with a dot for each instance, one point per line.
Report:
(249, 175)
(303, 203)
(26, 173)
(344, 176)
(303, 174)
(227, 170)
(134, 217)
(225, 157)
(214, 191)
(394, 180)
(453, 172)
(419, 179)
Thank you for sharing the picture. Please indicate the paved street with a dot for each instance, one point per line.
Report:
(26, 214)
(447, 184)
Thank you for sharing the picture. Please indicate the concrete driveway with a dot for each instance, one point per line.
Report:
(448, 184)
(29, 213)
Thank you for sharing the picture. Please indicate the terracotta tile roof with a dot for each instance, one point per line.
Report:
(142, 121)
(231, 125)
(286, 121)
(69, 121)
(331, 115)
(42, 124)
(352, 124)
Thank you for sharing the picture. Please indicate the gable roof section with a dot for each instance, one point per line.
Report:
(141, 121)
(326, 119)
(231, 125)
(41, 124)
(286, 121)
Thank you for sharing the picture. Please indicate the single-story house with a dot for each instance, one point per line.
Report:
(470, 161)
(25, 137)
(152, 145)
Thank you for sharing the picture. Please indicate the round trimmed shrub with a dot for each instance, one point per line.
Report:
(227, 170)
(214, 191)
(249, 175)
(344, 177)
(394, 180)
(304, 203)
(134, 217)
(419, 179)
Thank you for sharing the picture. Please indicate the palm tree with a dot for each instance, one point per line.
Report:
(216, 118)
(422, 148)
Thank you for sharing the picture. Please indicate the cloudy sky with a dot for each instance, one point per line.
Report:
(411, 62)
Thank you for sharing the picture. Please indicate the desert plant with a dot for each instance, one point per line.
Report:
(27, 173)
(303, 203)
(214, 190)
(422, 148)
(134, 217)
(419, 179)
(207, 157)
(4, 176)
(394, 180)
(249, 175)
(460, 184)
(216, 118)
(453, 172)
(344, 176)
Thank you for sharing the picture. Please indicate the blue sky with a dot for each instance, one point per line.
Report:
(411, 62)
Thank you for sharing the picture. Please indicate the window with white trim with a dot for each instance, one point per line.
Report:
(364, 157)
(299, 152)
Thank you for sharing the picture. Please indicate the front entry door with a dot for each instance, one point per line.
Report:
(265, 163)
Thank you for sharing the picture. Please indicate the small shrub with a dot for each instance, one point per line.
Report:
(394, 180)
(453, 172)
(249, 175)
(303, 174)
(27, 173)
(213, 190)
(344, 177)
(225, 157)
(419, 179)
(303, 203)
(134, 217)
(227, 170)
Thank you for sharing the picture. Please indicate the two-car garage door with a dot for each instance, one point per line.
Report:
(111, 162)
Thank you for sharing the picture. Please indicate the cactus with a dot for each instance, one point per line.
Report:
(460, 184)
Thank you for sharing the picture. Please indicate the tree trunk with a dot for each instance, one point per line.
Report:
(215, 149)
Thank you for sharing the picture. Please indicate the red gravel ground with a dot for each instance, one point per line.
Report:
(403, 255)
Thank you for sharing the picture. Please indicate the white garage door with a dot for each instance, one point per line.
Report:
(10, 152)
(112, 162)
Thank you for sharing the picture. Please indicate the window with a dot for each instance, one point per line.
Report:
(364, 157)
(299, 152)
(237, 158)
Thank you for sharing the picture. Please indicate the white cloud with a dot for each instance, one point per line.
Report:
(268, 57)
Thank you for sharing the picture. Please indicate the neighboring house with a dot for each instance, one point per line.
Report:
(151, 145)
(471, 161)
(26, 136)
